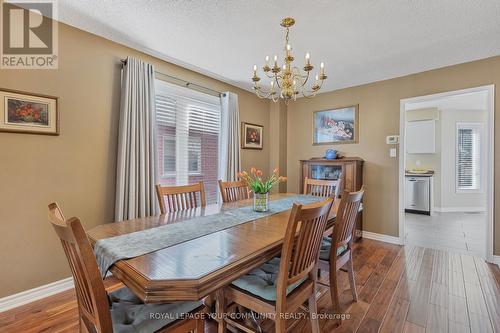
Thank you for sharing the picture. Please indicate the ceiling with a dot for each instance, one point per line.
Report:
(360, 41)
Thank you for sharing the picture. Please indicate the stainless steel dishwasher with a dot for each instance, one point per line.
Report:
(418, 195)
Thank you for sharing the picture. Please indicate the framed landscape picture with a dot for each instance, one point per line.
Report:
(335, 126)
(24, 112)
(251, 136)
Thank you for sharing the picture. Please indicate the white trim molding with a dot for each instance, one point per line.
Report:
(496, 260)
(460, 209)
(382, 237)
(31, 295)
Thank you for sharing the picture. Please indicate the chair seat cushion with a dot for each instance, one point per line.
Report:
(129, 314)
(262, 281)
(326, 245)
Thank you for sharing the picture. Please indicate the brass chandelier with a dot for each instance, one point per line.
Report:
(288, 81)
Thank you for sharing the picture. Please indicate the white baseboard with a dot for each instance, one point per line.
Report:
(496, 260)
(381, 237)
(28, 296)
(459, 209)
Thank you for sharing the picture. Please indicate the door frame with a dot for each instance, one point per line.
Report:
(490, 158)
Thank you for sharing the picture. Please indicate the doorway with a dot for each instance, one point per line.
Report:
(446, 171)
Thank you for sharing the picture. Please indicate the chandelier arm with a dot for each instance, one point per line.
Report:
(305, 81)
(277, 81)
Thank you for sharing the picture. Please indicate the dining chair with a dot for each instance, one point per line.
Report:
(179, 198)
(322, 188)
(120, 311)
(234, 191)
(336, 252)
(283, 284)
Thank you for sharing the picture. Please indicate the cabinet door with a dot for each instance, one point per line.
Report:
(421, 137)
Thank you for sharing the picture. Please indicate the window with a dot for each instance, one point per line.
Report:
(188, 126)
(168, 155)
(194, 155)
(469, 157)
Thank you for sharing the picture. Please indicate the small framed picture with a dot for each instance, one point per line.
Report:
(335, 126)
(24, 112)
(251, 136)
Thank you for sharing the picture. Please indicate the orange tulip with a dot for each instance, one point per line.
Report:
(259, 173)
(253, 170)
(276, 170)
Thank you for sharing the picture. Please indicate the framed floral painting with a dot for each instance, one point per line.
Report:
(24, 112)
(251, 136)
(335, 126)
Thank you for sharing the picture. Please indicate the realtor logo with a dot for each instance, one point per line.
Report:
(29, 35)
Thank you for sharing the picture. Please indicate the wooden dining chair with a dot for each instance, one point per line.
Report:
(322, 188)
(336, 252)
(234, 191)
(180, 197)
(121, 310)
(283, 284)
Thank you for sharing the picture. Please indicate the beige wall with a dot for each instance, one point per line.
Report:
(379, 116)
(77, 168)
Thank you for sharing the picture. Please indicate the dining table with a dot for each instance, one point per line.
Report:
(196, 268)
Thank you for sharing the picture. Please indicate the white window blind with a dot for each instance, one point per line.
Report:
(188, 127)
(468, 157)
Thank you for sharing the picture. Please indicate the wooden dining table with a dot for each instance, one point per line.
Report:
(196, 268)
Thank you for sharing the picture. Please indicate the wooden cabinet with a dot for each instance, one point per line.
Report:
(350, 169)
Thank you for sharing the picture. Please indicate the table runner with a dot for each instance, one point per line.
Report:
(110, 250)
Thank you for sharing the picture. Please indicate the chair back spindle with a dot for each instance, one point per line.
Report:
(302, 242)
(346, 218)
(234, 191)
(177, 198)
(322, 188)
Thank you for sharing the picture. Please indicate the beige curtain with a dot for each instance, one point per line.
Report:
(230, 158)
(136, 173)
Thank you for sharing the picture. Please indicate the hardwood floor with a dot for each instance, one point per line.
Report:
(401, 289)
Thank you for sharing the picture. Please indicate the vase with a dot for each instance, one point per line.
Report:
(261, 202)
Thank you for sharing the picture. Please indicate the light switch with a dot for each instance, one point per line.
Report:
(393, 152)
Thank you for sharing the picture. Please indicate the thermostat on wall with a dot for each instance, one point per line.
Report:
(392, 139)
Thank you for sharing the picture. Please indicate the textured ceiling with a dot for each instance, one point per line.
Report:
(360, 41)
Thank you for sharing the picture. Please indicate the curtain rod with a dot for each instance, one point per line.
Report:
(184, 83)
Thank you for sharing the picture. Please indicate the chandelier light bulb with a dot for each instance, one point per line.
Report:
(287, 80)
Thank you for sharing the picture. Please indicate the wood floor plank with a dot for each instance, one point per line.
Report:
(475, 299)
(401, 286)
(417, 312)
(479, 324)
(413, 328)
(457, 310)
(395, 318)
(454, 327)
(437, 321)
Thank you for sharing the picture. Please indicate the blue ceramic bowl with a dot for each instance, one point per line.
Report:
(331, 154)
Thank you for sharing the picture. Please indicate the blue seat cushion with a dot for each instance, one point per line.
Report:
(262, 281)
(326, 245)
(129, 314)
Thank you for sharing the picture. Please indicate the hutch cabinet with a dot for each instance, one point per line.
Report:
(350, 169)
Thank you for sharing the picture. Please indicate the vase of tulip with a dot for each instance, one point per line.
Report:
(261, 186)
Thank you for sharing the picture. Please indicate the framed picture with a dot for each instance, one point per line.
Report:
(335, 126)
(251, 136)
(24, 112)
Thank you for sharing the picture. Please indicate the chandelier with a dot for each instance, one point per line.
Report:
(288, 81)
